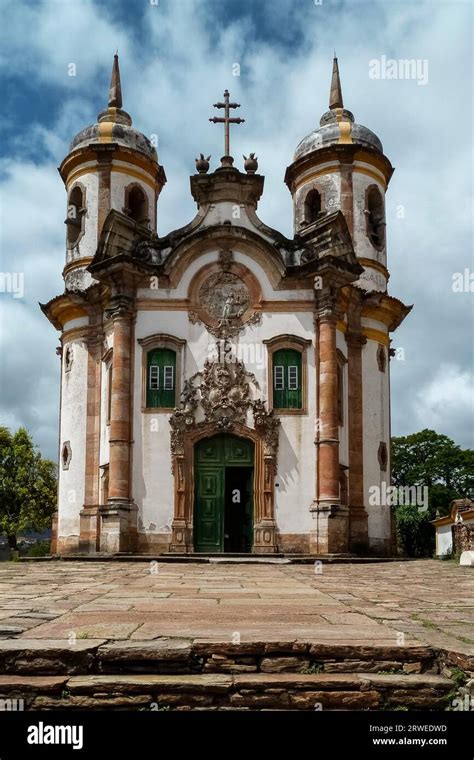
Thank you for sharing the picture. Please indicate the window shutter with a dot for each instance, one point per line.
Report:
(279, 378)
(154, 377)
(292, 377)
(168, 382)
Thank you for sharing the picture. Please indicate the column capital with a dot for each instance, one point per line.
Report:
(120, 307)
(325, 303)
(355, 339)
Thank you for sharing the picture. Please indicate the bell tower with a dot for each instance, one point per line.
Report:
(110, 165)
(341, 166)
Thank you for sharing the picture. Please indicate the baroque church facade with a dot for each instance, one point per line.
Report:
(224, 388)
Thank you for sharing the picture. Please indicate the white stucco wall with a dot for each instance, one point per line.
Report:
(87, 245)
(444, 540)
(376, 428)
(153, 486)
(119, 181)
(73, 429)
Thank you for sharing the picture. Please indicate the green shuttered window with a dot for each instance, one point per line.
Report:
(161, 378)
(287, 379)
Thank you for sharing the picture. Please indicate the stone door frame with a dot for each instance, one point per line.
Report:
(264, 471)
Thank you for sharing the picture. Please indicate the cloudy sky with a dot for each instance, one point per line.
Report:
(177, 57)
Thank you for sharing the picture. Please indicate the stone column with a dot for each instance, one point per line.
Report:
(329, 531)
(89, 517)
(358, 526)
(118, 528)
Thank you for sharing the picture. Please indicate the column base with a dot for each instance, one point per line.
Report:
(329, 532)
(181, 538)
(53, 547)
(264, 538)
(89, 530)
(118, 526)
(358, 530)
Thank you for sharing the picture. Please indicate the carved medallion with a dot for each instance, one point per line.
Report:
(224, 296)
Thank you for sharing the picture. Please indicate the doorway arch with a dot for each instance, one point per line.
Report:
(223, 494)
(264, 440)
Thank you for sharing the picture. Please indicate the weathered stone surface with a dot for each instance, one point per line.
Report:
(155, 650)
(257, 700)
(330, 681)
(47, 656)
(365, 652)
(150, 683)
(360, 666)
(10, 630)
(282, 664)
(399, 681)
(339, 700)
(81, 702)
(34, 684)
(425, 699)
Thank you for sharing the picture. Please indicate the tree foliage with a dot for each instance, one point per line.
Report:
(430, 459)
(433, 460)
(27, 485)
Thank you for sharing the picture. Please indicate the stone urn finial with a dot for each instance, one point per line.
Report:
(251, 163)
(202, 164)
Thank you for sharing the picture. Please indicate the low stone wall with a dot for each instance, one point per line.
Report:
(192, 674)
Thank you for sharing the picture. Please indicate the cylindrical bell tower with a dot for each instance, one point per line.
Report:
(110, 165)
(340, 165)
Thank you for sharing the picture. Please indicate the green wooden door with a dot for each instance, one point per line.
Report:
(209, 497)
(212, 458)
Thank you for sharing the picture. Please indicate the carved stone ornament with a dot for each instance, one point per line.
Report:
(224, 296)
(223, 392)
(148, 252)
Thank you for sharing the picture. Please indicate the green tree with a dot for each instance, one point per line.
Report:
(27, 485)
(430, 459)
(433, 460)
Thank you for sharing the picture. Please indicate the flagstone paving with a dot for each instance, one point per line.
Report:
(427, 601)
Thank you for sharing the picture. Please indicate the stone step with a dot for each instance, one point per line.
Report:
(180, 655)
(288, 691)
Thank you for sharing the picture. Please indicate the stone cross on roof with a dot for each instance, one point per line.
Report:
(226, 159)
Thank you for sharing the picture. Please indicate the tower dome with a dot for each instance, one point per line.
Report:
(341, 165)
(114, 125)
(110, 165)
(337, 125)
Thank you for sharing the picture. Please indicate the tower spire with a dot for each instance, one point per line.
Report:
(335, 95)
(115, 89)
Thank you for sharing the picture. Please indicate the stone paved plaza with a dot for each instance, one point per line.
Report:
(355, 604)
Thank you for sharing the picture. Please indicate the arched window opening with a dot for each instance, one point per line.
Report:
(75, 212)
(312, 206)
(137, 205)
(375, 217)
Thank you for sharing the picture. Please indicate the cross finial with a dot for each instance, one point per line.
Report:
(226, 159)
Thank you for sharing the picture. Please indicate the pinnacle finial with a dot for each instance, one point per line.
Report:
(335, 95)
(115, 89)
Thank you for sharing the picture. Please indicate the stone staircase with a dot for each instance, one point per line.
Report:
(183, 674)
